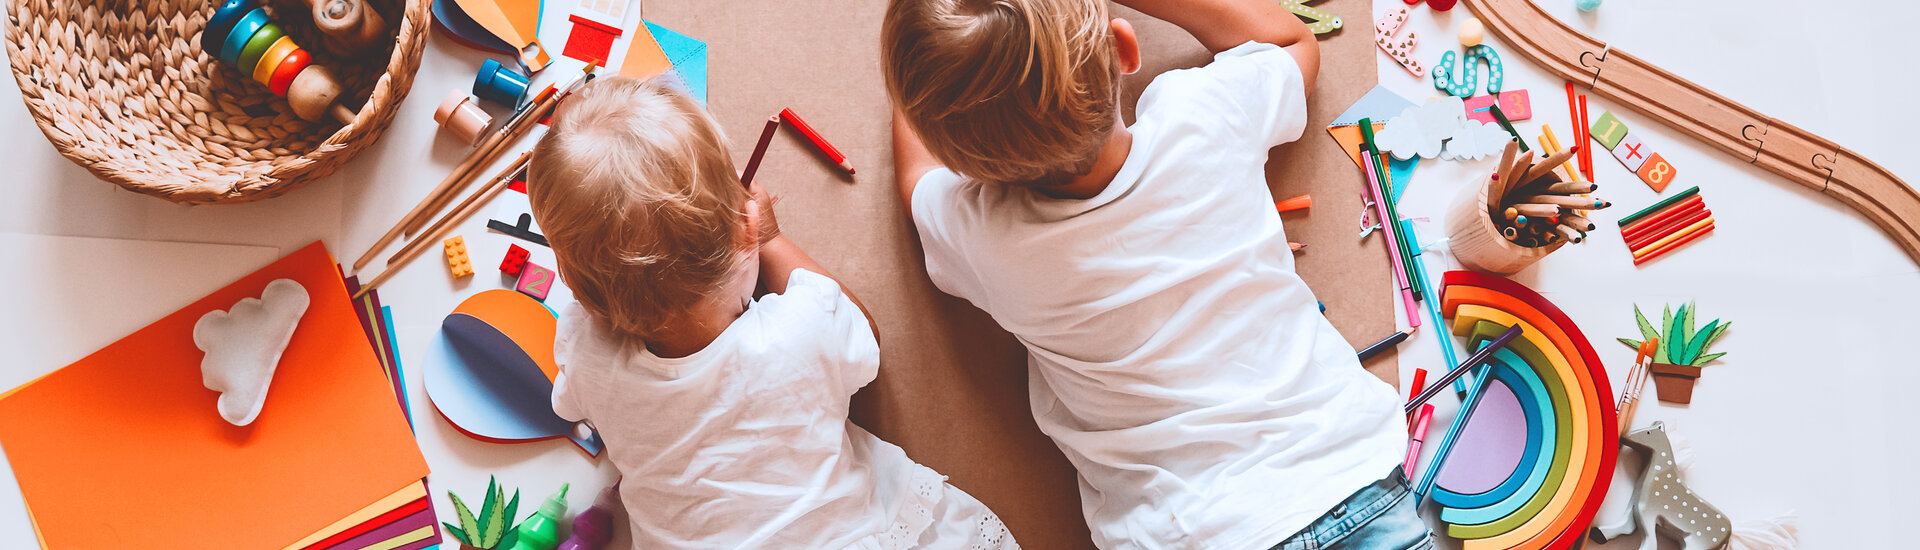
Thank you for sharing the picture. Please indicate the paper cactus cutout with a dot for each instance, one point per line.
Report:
(243, 346)
(1680, 344)
(494, 527)
(1317, 20)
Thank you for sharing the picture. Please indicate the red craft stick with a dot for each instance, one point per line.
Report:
(759, 150)
(1586, 154)
(1639, 228)
(1675, 244)
(801, 125)
(1653, 236)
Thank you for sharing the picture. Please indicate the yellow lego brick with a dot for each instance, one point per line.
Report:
(457, 261)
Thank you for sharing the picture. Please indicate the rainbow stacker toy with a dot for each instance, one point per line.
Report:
(239, 33)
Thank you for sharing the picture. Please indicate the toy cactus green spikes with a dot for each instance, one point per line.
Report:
(493, 528)
(1683, 350)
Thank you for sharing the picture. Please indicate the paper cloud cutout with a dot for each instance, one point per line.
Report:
(243, 345)
(1440, 128)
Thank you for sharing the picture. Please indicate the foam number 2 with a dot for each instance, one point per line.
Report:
(1399, 48)
(1469, 75)
(534, 281)
(1318, 21)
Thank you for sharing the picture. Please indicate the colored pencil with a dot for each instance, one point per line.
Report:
(1586, 156)
(1643, 240)
(787, 115)
(1393, 249)
(1417, 437)
(1472, 361)
(1573, 171)
(1677, 197)
(1571, 234)
(1658, 221)
(1578, 222)
(1385, 343)
(759, 150)
(1471, 404)
(1533, 210)
(1572, 188)
(1546, 165)
(1564, 201)
(1419, 382)
(1673, 241)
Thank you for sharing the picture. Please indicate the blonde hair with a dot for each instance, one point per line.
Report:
(637, 194)
(1010, 91)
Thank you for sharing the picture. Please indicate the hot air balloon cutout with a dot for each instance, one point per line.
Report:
(490, 372)
(1533, 463)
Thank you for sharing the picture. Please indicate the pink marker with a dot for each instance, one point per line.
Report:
(1387, 224)
(1419, 436)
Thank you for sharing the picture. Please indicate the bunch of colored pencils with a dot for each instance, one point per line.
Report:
(1533, 206)
(1666, 225)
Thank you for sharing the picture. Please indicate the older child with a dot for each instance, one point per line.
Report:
(725, 412)
(1174, 355)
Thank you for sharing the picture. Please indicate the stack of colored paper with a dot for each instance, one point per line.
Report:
(377, 321)
(125, 448)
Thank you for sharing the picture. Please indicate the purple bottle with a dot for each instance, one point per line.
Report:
(593, 527)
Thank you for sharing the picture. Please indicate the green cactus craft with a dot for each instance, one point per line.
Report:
(1682, 351)
(494, 527)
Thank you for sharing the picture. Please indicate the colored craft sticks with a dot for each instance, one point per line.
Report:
(1666, 226)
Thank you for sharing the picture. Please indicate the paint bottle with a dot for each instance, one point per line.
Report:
(542, 530)
(593, 528)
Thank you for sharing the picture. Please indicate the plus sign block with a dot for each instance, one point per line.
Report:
(1631, 152)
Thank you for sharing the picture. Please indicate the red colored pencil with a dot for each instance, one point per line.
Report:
(1672, 245)
(1586, 133)
(1659, 221)
(759, 150)
(1662, 233)
(801, 125)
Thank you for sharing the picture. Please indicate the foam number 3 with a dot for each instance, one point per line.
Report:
(1400, 48)
(1469, 75)
(1317, 20)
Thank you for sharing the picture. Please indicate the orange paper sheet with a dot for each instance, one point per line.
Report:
(644, 57)
(1349, 139)
(124, 448)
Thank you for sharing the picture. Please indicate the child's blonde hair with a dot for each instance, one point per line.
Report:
(637, 194)
(1009, 91)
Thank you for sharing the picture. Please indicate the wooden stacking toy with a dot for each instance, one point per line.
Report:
(239, 33)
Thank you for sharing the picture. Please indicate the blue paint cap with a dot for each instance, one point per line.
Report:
(499, 84)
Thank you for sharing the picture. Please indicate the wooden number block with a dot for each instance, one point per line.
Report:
(534, 281)
(1608, 130)
(457, 261)
(1631, 152)
(1656, 172)
(1514, 104)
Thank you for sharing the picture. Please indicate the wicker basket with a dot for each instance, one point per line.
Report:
(121, 88)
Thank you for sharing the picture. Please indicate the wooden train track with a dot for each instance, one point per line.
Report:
(1746, 134)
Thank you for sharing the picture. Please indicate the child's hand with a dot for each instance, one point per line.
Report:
(769, 227)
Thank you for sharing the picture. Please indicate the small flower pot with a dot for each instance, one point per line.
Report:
(1674, 382)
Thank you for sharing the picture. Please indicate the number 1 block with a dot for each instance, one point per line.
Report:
(1656, 172)
(534, 281)
(1608, 130)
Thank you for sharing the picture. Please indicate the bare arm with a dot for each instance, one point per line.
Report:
(911, 160)
(779, 256)
(1223, 24)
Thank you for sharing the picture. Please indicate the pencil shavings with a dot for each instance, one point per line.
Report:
(243, 345)
(1440, 128)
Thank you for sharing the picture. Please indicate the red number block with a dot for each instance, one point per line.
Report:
(534, 281)
(1657, 173)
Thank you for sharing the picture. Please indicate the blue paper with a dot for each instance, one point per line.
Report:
(688, 56)
(1380, 104)
(1400, 171)
(489, 387)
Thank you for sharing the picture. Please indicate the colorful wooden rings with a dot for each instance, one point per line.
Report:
(296, 61)
(221, 24)
(240, 34)
(256, 47)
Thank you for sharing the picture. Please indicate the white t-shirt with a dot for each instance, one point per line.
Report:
(746, 443)
(1174, 355)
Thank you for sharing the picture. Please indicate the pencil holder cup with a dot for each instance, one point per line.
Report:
(1477, 242)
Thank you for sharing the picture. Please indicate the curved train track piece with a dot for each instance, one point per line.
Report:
(1746, 134)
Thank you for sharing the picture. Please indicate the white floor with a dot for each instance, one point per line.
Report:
(1801, 415)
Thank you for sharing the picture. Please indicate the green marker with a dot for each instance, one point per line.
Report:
(1386, 195)
(542, 530)
(1504, 123)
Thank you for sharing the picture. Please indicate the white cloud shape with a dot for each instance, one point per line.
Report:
(243, 346)
(1440, 128)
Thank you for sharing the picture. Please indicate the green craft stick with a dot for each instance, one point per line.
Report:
(1669, 201)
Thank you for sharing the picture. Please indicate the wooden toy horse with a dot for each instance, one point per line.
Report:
(1667, 507)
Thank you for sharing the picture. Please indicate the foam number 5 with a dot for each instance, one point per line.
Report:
(1469, 75)
(1318, 21)
(1399, 48)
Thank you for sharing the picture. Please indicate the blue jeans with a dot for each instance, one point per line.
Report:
(1378, 516)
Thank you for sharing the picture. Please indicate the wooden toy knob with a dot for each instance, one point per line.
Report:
(350, 25)
(315, 93)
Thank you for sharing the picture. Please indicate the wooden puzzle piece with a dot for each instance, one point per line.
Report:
(1665, 505)
(1400, 48)
(1317, 20)
(1470, 74)
(1514, 104)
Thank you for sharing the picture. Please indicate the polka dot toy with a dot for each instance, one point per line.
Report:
(1698, 524)
(239, 33)
(1470, 75)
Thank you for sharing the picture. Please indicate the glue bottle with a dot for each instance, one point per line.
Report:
(542, 530)
(593, 528)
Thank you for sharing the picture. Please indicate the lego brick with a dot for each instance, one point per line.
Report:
(457, 261)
